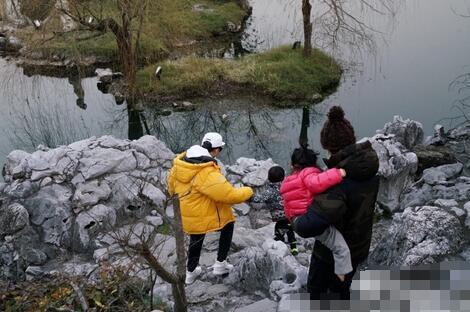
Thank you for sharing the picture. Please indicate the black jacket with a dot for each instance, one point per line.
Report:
(349, 206)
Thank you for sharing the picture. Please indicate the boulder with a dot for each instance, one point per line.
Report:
(408, 132)
(433, 156)
(419, 235)
(396, 170)
(13, 218)
(459, 143)
(433, 176)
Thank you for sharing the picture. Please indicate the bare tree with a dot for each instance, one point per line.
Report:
(341, 21)
(140, 243)
(125, 19)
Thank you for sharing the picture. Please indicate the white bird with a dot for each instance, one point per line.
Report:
(158, 72)
(37, 23)
(90, 20)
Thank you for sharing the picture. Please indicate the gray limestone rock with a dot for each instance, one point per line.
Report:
(419, 235)
(265, 305)
(89, 223)
(91, 193)
(446, 203)
(443, 173)
(408, 132)
(50, 210)
(13, 218)
(396, 170)
(242, 209)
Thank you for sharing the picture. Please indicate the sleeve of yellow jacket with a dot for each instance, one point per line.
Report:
(217, 188)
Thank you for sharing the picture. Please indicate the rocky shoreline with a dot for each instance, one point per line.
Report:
(57, 204)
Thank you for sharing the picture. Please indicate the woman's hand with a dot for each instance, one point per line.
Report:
(343, 172)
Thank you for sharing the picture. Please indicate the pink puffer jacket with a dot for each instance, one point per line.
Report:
(298, 189)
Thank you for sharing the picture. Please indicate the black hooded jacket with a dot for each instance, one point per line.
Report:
(349, 206)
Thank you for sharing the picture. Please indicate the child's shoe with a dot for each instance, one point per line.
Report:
(294, 251)
(191, 276)
(221, 268)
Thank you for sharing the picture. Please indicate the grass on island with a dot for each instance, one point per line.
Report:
(168, 24)
(281, 73)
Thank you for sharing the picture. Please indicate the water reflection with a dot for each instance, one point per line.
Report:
(249, 125)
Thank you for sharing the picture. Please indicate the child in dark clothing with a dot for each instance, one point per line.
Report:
(272, 197)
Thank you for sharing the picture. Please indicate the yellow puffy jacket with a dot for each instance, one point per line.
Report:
(205, 195)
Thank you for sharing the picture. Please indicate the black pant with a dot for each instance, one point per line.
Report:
(196, 241)
(283, 227)
(324, 284)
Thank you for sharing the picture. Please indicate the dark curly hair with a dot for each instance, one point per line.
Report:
(303, 157)
(337, 132)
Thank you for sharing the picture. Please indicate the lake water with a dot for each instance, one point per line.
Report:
(421, 51)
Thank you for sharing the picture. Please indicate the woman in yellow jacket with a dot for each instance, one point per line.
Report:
(205, 199)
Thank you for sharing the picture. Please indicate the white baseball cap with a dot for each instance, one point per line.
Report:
(214, 138)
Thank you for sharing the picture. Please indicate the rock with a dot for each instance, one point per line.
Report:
(104, 75)
(13, 218)
(154, 220)
(443, 173)
(408, 132)
(459, 143)
(258, 174)
(232, 27)
(100, 161)
(420, 235)
(242, 209)
(446, 203)
(466, 207)
(460, 213)
(265, 305)
(50, 209)
(34, 272)
(90, 222)
(35, 256)
(396, 170)
(154, 194)
(439, 138)
(433, 156)
(90, 193)
(19, 189)
(269, 273)
(154, 149)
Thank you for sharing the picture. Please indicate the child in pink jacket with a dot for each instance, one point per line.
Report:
(298, 191)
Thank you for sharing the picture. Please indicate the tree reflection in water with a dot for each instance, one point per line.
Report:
(250, 130)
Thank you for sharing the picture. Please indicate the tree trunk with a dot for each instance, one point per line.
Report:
(306, 13)
(178, 289)
(179, 295)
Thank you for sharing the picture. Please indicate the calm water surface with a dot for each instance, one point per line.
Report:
(421, 51)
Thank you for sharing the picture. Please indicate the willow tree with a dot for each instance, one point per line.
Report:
(342, 21)
(124, 18)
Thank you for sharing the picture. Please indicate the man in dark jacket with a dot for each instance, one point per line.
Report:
(349, 206)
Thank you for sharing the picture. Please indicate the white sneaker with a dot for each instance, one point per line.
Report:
(221, 268)
(191, 276)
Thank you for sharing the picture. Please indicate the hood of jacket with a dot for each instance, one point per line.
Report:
(188, 167)
(359, 160)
